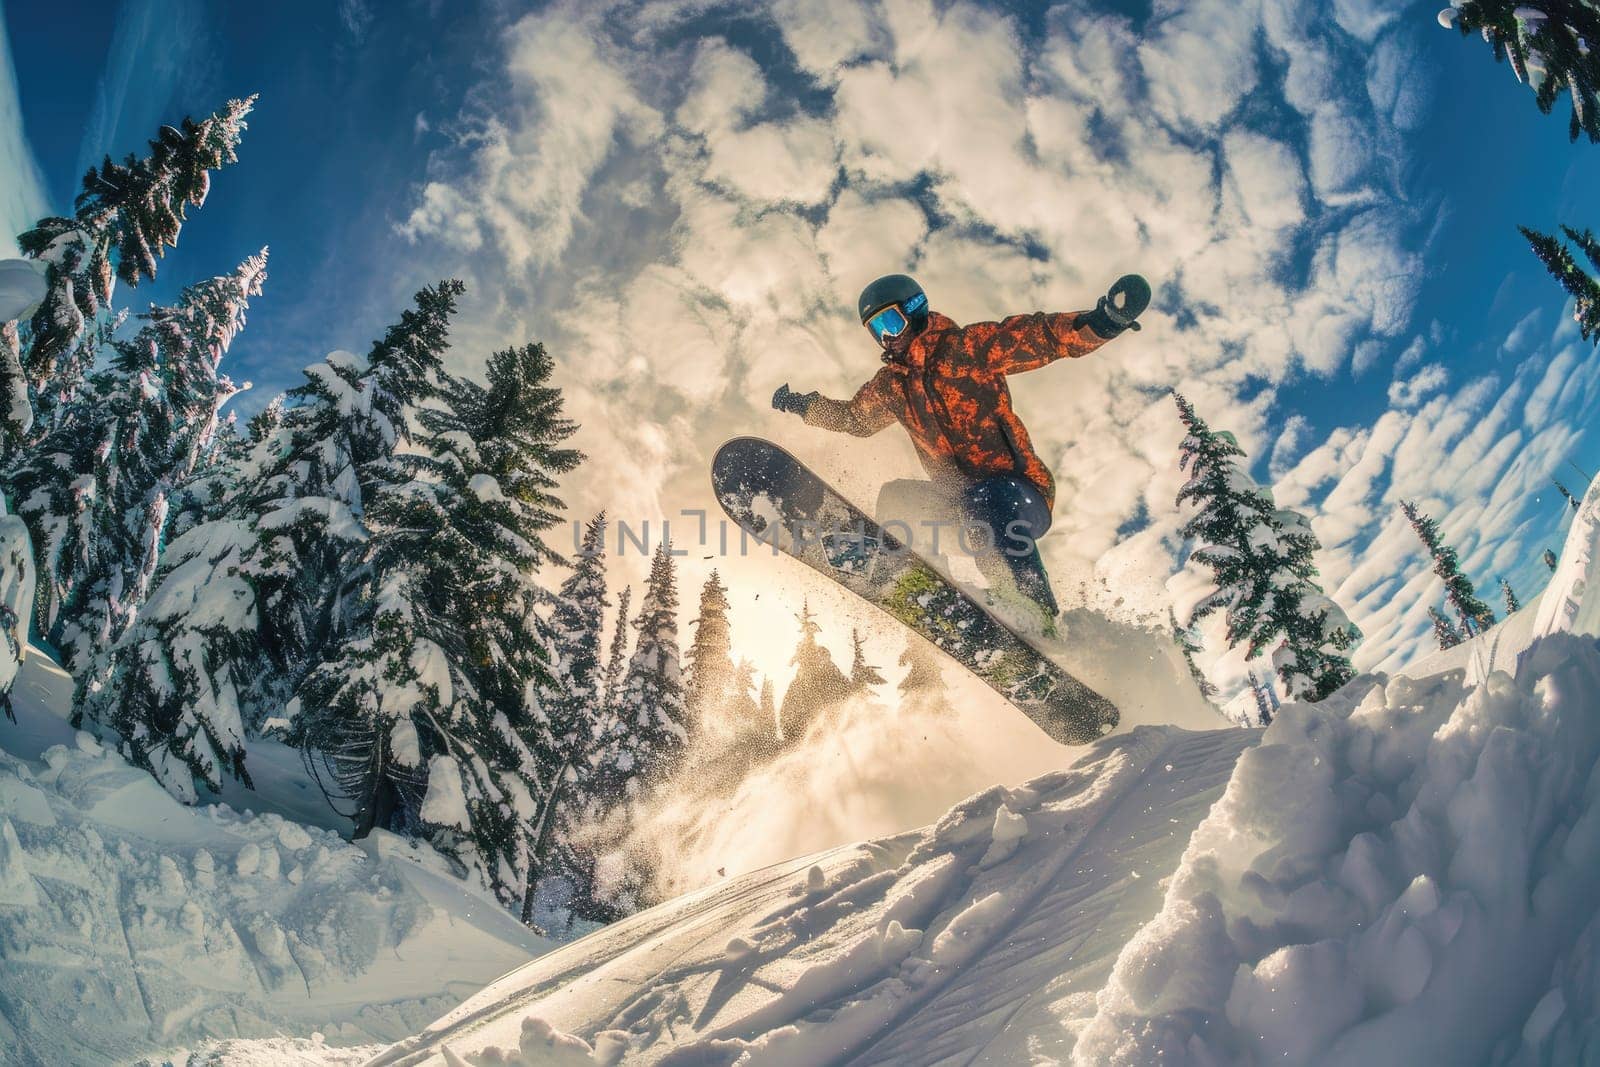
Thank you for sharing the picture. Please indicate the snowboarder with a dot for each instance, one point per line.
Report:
(946, 384)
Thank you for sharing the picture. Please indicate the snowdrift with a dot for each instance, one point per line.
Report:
(957, 938)
(133, 926)
(1402, 874)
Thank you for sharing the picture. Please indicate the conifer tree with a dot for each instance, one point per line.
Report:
(767, 707)
(742, 695)
(818, 683)
(617, 660)
(1475, 615)
(922, 689)
(1567, 496)
(1189, 644)
(242, 604)
(1261, 560)
(863, 675)
(1258, 689)
(710, 676)
(126, 216)
(650, 732)
(576, 710)
(1550, 45)
(96, 490)
(647, 738)
(1443, 630)
(591, 792)
(429, 712)
(1565, 269)
(16, 599)
(1513, 605)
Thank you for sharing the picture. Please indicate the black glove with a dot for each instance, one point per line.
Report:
(1119, 309)
(786, 399)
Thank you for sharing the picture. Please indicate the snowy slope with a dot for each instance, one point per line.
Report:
(1402, 874)
(133, 926)
(965, 936)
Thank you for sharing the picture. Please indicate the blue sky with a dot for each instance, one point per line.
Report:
(681, 199)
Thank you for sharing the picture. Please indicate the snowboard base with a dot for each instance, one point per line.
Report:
(779, 501)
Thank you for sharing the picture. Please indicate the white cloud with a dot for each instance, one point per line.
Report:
(725, 87)
(1409, 392)
(570, 104)
(776, 162)
(1291, 442)
(1341, 151)
(1265, 175)
(1200, 60)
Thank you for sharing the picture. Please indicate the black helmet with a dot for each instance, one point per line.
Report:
(889, 289)
(894, 309)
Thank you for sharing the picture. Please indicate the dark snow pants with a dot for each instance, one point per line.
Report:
(1010, 508)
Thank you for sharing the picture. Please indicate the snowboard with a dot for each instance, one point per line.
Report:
(779, 502)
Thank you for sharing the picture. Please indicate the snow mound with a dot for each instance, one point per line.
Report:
(1393, 876)
(887, 951)
(133, 926)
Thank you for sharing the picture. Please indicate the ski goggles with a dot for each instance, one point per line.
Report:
(895, 319)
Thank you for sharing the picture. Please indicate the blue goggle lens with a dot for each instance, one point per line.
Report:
(889, 322)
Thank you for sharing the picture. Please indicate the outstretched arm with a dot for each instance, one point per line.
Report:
(862, 415)
(1027, 342)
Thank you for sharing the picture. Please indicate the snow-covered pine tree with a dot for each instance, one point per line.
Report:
(1563, 266)
(590, 791)
(1184, 637)
(1443, 630)
(1513, 605)
(576, 709)
(710, 675)
(1550, 45)
(95, 490)
(617, 659)
(647, 739)
(818, 682)
(242, 604)
(575, 712)
(922, 689)
(428, 713)
(767, 707)
(1475, 615)
(651, 730)
(1550, 559)
(742, 706)
(16, 600)
(1258, 690)
(133, 209)
(863, 675)
(1566, 495)
(1261, 561)
(755, 724)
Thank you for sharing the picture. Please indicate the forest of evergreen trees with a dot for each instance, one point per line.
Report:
(362, 571)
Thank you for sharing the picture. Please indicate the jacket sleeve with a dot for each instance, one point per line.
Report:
(862, 415)
(1028, 342)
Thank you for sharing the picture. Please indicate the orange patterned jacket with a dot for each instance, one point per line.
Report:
(951, 396)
